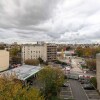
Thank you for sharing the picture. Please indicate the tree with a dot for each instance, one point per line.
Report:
(68, 48)
(87, 52)
(93, 80)
(15, 55)
(79, 51)
(14, 51)
(14, 90)
(40, 60)
(34, 62)
(2, 47)
(52, 79)
(91, 63)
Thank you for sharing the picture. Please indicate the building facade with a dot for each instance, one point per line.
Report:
(51, 52)
(33, 51)
(4, 60)
(98, 71)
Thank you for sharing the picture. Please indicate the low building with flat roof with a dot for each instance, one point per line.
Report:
(23, 72)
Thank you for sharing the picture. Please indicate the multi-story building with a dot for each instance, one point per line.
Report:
(33, 51)
(98, 71)
(4, 60)
(51, 52)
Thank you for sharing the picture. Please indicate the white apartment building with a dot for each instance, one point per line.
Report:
(98, 71)
(4, 60)
(33, 51)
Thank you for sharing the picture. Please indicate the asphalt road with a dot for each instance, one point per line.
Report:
(77, 90)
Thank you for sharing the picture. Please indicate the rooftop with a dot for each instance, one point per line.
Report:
(23, 72)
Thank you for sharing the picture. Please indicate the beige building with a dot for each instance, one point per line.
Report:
(33, 51)
(98, 71)
(4, 60)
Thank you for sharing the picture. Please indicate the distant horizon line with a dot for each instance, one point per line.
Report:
(34, 42)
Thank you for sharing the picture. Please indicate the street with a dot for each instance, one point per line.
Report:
(75, 67)
(77, 90)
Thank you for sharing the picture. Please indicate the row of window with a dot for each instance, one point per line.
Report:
(32, 51)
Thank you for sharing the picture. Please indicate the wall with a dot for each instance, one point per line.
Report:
(98, 70)
(4, 60)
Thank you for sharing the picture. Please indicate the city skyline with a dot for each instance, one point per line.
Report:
(68, 21)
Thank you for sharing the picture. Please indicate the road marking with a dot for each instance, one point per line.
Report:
(65, 91)
(84, 92)
(94, 94)
(71, 90)
(94, 99)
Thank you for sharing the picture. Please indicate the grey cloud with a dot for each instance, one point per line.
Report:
(50, 20)
(27, 12)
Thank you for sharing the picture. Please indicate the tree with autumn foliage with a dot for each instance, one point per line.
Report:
(91, 63)
(87, 52)
(79, 51)
(52, 79)
(34, 62)
(14, 90)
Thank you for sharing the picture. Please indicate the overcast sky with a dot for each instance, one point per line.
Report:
(69, 21)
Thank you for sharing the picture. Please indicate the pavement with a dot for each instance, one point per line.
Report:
(66, 92)
(77, 90)
(75, 67)
(91, 94)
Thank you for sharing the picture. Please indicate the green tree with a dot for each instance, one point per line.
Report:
(14, 51)
(93, 80)
(52, 79)
(40, 60)
(15, 55)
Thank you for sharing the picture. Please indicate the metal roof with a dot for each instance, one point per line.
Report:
(23, 72)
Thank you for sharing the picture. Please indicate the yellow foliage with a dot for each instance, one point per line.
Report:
(11, 89)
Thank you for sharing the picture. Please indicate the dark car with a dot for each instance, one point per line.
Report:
(88, 87)
(65, 85)
(85, 82)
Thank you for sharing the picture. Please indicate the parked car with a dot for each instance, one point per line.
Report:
(85, 81)
(88, 87)
(65, 85)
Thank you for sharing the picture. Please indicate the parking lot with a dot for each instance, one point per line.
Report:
(92, 94)
(66, 92)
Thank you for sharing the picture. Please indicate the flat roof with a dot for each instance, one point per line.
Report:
(22, 72)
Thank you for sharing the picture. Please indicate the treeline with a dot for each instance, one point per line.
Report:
(87, 52)
(90, 56)
(35, 62)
